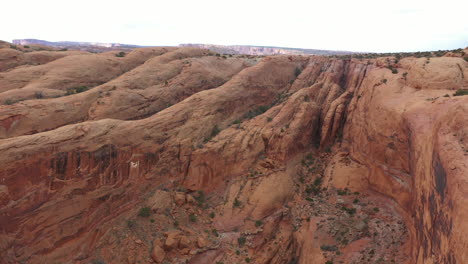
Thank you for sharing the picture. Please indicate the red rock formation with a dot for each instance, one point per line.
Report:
(289, 159)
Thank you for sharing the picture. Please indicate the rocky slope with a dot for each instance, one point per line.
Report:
(174, 155)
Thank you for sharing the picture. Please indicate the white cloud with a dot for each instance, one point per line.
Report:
(360, 25)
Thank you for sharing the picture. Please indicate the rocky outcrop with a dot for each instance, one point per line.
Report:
(264, 160)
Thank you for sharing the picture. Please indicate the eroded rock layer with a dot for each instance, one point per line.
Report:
(174, 155)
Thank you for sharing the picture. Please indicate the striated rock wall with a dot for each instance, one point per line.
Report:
(224, 138)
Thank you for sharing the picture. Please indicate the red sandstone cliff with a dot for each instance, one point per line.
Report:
(175, 155)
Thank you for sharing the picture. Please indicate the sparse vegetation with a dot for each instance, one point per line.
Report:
(38, 95)
(214, 131)
(236, 203)
(193, 218)
(130, 223)
(460, 93)
(200, 198)
(120, 54)
(8, 102)
(258, 223)
(297, 71)
(144, 212)
(75, 90)
(350, 211)
(257, 111)
(328, 247)
(241, 241)
(212, 215)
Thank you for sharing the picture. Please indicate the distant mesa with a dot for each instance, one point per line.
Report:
(265, 50)
(223, 49)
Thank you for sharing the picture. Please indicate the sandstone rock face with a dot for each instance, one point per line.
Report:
(283, 159)
(158, 254)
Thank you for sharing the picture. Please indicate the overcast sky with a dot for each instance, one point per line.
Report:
(366, 25)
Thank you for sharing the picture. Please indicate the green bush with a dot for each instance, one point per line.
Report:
(193, 218)
(257, 111)
(214, 131)
(297, 71)
(144, 212)
(241, 241)
(38, 95)
(236, 203)
(131, 223)
(460, 93)
(9, 102)
(328, 248)
(258, 223)
(26, 46)
(75, 90)
(120, 54)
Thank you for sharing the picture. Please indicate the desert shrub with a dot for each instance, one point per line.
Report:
(26, 46)
(247, 260)
(236, 203)
(120, 54)
(258, 223)
(38, 95)
(131, 223)
(215, 232)
(193, 218)
(200, 198)
(257, 111)
(144, 212)
(9, 102)
(75, 90)
(350, 211)
(214, 131)
(297, 71)
(328, 248)
(241, 241)
(341, 192)
(212, 215)
(460, 92)
(465, 58)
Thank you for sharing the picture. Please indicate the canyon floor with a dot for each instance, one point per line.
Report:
(182, 155)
